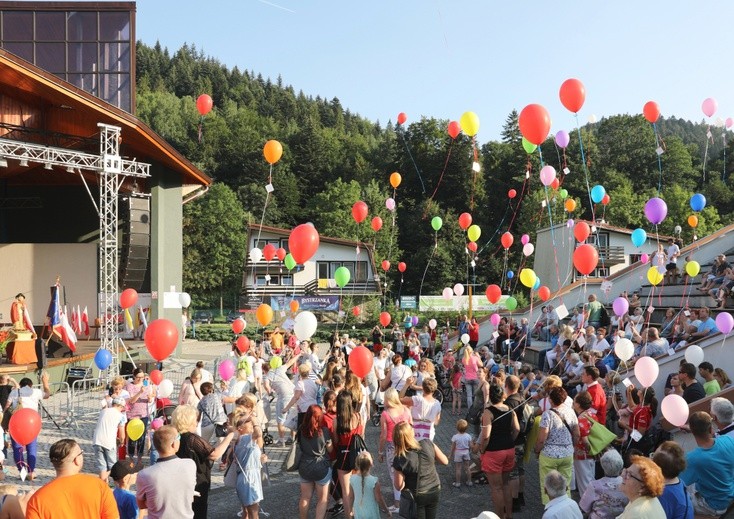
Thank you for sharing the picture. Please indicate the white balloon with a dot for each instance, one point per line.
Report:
(592, 118)
(184, 299)
(447, 293)
(256, 255)
(305, 325)
(646, 371)
(675, 409)
(165, 388)
(528, 249)
(694, 354)
(458, 289)
(465, 338)
(624, 349)
(432, 324)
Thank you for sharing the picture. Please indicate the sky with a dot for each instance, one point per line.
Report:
(440, 58)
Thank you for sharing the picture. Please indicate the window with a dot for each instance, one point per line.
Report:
(322, 269)
(361, 272)
(51, 26)
(262, 242)
(286, 281)
(51, 57)
(18, 26)
(284, 244)
(327, 270)
(82, 26)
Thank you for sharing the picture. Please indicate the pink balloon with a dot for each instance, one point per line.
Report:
(725, 322)
(448, 293)
(390, 204)
(646, 371)
(547, 175)
(495, 319)
(675, 410)
(620, 306)
(729, 122)
(562, 139)
(226, 369)
(157, 423)
(570, 223)
(709, 106)
(524, 239)
(644, 258)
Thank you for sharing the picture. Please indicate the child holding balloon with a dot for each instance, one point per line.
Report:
(108, 432)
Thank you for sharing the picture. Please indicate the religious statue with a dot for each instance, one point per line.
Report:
(21, 319)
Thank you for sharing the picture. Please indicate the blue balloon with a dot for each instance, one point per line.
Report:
(103, 359)
(597, 194)
(698, 202)
(411, 363)
(510, 274)
(536, 286)
(639, 237)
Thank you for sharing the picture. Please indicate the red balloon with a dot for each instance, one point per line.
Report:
(156, 376)
(376, 223)
(204, 104)
(651, 111)
(303, 242)
(269, 252)
(512, 193)
(544, 293)
(535, 123)
(385, 265)
(25, 425)
(360, 361)
(243, 343)
(402, 117)
(161, 338)
(238, 325)
(585, 258)
(572, 94)
(493, 293)
(402, 266)
(454, 129)
(472, 246)
(581, 231)
(606, 199)
(465, 220)
(128, 298)
(555, 184)
(281, 253)
(507, 240)
(356, 311)
(359, 211)
(385, 318)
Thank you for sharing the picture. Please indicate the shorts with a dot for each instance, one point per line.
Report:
(280, 417)
(462, 456)
(105, 457)
(671, 266)
(519, 469)
(700, 506)
(321, 483)
(456, 392)
(495, 462)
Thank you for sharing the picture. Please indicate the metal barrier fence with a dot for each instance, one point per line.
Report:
(87, 395)
(57, 407)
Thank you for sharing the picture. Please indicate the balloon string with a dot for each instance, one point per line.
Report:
(723, 173)
(407, 149)
(201, 128)
(259, 232)
(660, 160)
(474, 172)
(706, 152)
(435, 248)
(583, 162)
(445, 165)
(512, 220)
(552, 230)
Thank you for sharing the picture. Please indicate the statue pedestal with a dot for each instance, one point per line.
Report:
(23, 335)
(22, 351)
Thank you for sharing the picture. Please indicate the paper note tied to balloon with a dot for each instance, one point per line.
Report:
(562, 312)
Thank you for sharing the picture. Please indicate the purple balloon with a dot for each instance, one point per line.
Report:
(725, 322)
(570, 223)
(562, 139)
(620, 306)
(656, 210)
(415, 320)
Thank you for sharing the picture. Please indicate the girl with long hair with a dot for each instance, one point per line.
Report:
(347, 424)
(366, 493)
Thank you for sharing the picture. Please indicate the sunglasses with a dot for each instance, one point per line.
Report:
(626, 474)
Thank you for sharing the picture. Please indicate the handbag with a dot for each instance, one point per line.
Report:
(291, 420)
(293, 461)
(230, 476)
(220, 429)
(599, 437)
(356, 447)
(408, 506)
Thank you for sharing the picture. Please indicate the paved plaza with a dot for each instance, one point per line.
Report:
(281, 494)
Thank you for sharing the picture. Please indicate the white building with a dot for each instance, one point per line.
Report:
(614, 244)
(312, 283)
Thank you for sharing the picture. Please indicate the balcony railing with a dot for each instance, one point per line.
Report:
(612, 255)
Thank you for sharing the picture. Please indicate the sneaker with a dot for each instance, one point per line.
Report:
(337, 509)
(394, 509)
(457, 485)
(289, 441)
(279, 443)
(469, 483)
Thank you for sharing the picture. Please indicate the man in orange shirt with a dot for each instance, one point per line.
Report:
(72, 495)
(276, 340)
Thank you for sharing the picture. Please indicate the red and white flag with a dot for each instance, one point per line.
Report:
(85, 321)
(78, 320)
(58, 320)
(73, 320)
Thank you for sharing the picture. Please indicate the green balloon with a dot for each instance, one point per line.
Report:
(563, 193)
(436, 223)
(342, 276)
(528, 146)
(511, 303)
(290, 263)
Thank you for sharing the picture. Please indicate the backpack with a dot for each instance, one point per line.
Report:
(525, 416)
(604, 319)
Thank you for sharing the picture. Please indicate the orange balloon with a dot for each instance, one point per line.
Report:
(570, 205)
(294, 306)
(395, 180)
(693, 221)
(264, 314)
(272, 150)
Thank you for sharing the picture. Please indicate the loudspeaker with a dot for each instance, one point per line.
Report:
(57, 349)
(41, 353)
(135, 243)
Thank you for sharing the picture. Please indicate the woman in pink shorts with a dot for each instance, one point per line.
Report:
(496, 442)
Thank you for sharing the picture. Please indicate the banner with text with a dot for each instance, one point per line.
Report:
(311, 303)
(460, 304)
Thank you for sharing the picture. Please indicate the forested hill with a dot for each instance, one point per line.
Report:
(333, 157)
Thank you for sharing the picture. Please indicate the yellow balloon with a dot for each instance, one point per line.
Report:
(693, 268)
(469, 123)
(474, 232)
(528, 277)
(654, 276)
(395, 180)
(135, 429)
